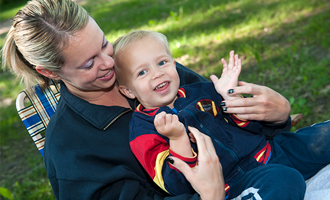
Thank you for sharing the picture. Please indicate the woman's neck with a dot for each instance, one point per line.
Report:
(110, 97)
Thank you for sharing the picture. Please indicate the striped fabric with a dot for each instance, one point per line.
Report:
(37, 115)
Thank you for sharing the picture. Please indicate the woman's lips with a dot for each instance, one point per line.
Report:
(107, 76)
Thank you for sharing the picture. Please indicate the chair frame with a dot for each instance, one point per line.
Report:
(36, 115)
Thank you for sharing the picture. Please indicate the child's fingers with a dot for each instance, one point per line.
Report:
(168, 118)
(175, 118)
(160, 119)
(214, 78)
(231, 59)
(236, 60)
(224, 63)
(239, 65)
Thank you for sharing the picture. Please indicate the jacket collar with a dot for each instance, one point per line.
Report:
(153, 111)
(99, 116)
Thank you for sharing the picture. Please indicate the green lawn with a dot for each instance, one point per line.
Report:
(283, 44)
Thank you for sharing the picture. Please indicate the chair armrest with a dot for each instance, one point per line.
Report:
(296, 118)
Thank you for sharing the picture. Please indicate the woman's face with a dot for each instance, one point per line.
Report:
(88, 63)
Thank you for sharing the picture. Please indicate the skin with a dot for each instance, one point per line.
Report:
(265, 105)
(229, 76)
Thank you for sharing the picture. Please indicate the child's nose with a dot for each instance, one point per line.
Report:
(157, 73)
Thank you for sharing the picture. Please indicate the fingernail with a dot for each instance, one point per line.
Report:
(224, 109)
(231, 91)
(223, 103)
(170, 160)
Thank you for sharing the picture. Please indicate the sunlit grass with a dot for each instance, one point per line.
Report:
(10, 8)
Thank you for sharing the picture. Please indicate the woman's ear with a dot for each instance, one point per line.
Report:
(47, 73)
(125, 91)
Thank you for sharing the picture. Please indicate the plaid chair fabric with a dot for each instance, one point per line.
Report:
(36, 115)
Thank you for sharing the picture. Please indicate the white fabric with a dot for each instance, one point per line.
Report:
(318, 187)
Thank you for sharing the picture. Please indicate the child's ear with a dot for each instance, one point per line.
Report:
(47, 73)
(125, 91)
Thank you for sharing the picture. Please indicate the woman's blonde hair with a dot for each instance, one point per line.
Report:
(40, 31)
(123, 42)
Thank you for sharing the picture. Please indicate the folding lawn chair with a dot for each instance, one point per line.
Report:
(36, 113)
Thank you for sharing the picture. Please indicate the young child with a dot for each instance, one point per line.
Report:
(146, 70)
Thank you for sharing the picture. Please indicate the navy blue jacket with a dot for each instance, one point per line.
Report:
(239, 143)
(87, 153)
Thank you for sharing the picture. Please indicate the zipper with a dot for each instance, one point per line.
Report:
(211, 135)
(116, 118)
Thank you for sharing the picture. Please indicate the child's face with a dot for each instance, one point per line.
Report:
(152, 74)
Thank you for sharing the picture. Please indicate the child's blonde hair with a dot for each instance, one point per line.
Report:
(123, 42)
(40, 32)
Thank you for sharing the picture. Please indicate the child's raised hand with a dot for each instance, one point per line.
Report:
(229, 76)
(169, 126)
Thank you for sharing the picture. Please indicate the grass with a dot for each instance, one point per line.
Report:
(284, 45)
(9, 8)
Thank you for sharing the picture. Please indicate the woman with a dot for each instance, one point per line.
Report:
(87, 154)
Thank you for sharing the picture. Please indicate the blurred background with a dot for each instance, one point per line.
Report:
(283, 44)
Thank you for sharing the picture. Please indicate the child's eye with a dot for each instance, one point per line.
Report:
(142, 72)
(161, 63)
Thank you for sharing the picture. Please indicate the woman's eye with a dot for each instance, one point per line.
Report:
(105, 42)
(89, 64)
(142, 72)
(161, 63)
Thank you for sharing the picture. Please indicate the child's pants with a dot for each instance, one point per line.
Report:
(295, 158)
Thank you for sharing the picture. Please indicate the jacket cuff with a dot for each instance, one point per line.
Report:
(270, 130)
(191, 161)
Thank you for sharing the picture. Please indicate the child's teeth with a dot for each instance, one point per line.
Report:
(161, 85)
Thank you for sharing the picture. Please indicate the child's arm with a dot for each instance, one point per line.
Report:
(229, 76)
(152, 149)
(170, 126)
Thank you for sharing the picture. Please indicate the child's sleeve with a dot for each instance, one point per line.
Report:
(252, 126)
(151, 149)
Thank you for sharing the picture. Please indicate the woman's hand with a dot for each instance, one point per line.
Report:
(265, 105)
(206, 178)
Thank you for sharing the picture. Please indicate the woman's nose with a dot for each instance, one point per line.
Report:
(107, 61)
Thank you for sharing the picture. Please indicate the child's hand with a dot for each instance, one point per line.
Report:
(229, 76)
(169, 126)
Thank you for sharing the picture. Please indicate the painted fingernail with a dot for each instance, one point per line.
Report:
(223, 104)
(170, 160)
(224, 109)
(231, 91)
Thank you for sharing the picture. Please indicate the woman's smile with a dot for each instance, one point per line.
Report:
(107, 76)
